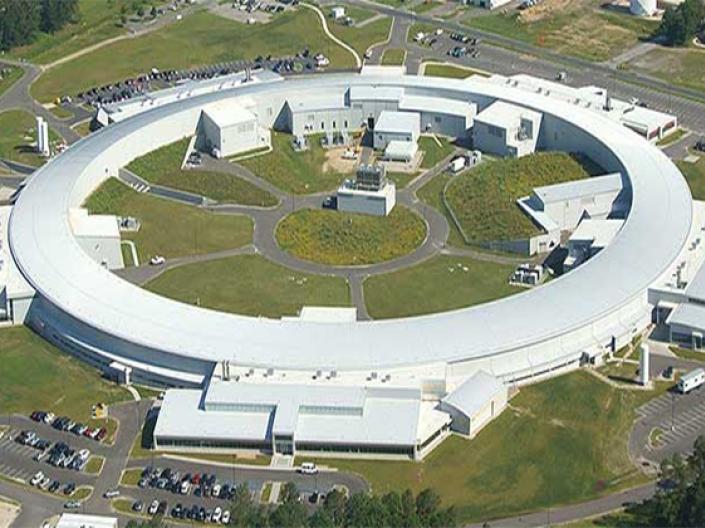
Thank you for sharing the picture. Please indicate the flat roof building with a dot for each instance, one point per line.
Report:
(590, 237)
(99, 236)
(228, 129)
(476, 402)
(396, 126)
(370, 192)
(506, 129)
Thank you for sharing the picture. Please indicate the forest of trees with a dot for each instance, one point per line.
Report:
(681, 23)
(21, 20)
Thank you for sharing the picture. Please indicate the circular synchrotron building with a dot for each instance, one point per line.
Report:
(93, 314)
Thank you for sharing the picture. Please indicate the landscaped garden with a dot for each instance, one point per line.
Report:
(168, 228)
(338, 239)
(484, 198)
(163, 167)
(250, 285)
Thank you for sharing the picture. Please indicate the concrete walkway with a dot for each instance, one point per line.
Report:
(324, 24)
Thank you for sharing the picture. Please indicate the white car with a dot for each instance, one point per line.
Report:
(634, 101)
(217, 514)
(215, 492)
(37, 478)
(308, 468)
(84, 454)
(157, 260)
(153, 507)
(226, 517)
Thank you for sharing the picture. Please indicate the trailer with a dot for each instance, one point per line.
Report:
(691, 380)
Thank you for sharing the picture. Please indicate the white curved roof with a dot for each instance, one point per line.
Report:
(50, 258)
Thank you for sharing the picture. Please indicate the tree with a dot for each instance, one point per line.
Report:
(242, 508)
(289, 493)
(408, 506)
(334, 504)
(427, 502)
(289, 514)
(681, 23)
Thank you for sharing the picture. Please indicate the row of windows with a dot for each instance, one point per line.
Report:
(163, 441)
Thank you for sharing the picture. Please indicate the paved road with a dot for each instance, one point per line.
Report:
(507, 56)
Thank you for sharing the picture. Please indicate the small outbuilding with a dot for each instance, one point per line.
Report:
(475, 403)
(396, 126)
(400, 151)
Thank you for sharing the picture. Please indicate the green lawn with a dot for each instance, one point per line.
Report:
(337, 238)
(163, 167)
(439, 284)
(10, 77)
(83, 128)
(295, 172)
(98, 22)
(677, 135)
(401, 179)
(419, 27)
(484, 198)
(681, 66)
(393, 57)
(168, 228)
(432, 194)
(362, 38)
(251, 285)
(25, 356)
(450, 71)
(620, 372)
(433, 154)
(358, 14)
(425, 6)
(695, 175)
(201, 38)
(579, 28)
(563, 440)
(686, 353)
(130, 477)
(18, 136)
(94, 465)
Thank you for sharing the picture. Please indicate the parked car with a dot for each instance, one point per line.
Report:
(700, 145)
(308, 468)
(157, 260)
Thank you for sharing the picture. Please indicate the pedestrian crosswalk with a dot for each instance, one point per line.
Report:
(140, 187)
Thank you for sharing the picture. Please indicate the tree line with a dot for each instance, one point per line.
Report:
(361, 510)
(22, 20)
(680, 24)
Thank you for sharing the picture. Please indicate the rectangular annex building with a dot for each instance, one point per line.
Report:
(506, 130)
(289, 418)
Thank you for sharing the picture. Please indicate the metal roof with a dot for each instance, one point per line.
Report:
(398, 122)
(505, 115)
(573, 190)
(49, 256)
(474, 394)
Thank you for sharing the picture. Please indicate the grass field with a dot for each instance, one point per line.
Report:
(439, 284)
(358, 14)
(362, 38)
(130, 477)
(201, 38)
(337, 238)
(83, 129)
(163, 167)
(295, 172)
(425, 6)
(94, 465)
(432, 194)
(10, 77)
(684, 67)
(484, 198)
(251, 285)
(671, 138)
(169, 228)
(450, 71)
(25, 356)
(98, 22)
(695, 175)
(579, 28)
(433, 154)
(393, 57)
(563, 440)
(686, 353)
(401, 179)
(18, 135)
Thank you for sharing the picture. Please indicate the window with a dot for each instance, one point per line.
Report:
(345, 124)
(323, 125)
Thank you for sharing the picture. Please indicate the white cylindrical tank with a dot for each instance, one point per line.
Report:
(642, 7)
(644, 365)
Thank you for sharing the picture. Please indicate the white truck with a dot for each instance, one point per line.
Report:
(691, 380)
(457, 164)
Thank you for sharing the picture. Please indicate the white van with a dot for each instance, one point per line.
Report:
(308, 468)
(691, 380)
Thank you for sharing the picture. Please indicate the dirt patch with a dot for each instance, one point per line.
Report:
(558, 423)
(8, 513)
(548, 8)
(336, 162)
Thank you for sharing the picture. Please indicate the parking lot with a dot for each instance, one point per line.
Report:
(19, 462)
